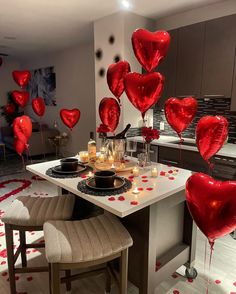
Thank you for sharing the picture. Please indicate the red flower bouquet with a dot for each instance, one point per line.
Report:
(150, 134)
(103, 129)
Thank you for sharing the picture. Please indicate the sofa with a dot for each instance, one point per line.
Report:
(36, 147)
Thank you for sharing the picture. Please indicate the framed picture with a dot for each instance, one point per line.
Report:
(43, 84)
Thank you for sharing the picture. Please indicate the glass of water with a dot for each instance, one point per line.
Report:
(131, 146)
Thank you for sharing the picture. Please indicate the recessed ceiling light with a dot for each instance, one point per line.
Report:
(125, 4)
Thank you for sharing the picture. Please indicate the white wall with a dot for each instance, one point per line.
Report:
(7, 83)
(197, 15)
(74, 89)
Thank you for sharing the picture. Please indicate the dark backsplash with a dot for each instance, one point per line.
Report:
(209, 106)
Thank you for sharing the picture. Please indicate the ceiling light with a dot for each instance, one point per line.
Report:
(125, 4)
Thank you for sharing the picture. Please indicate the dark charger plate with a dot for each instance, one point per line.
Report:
(118, 183)
(57, 169)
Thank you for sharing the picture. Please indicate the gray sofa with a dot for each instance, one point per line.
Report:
(35, 141)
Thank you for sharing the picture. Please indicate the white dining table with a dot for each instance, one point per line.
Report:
(157, 218)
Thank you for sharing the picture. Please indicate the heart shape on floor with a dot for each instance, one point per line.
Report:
(24, 184)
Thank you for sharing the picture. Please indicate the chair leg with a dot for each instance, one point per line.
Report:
(10, 257)
(55, 278)
(68, 283)
(108, 281)
(124, 271)
(23, 249)
(50, 278)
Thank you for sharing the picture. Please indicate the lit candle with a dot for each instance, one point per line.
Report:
(111, 159)
(135, 191)
(101, 158)
(102, 149)
(90, 174)
(135, 171)
(154, 172)
(112, 166)
(83, 156)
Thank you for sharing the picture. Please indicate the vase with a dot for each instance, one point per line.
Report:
(147, 155)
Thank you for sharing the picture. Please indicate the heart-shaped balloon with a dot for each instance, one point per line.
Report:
(21, 77)
(115, 77)
(70, 117)
(109, 112)
(10, 108)
(38, 106)
(22, 128)
(211, 133)
(150, 47)
(144, 90)
(21, 98)
(180, 113)
(212, 205)
(19, 146)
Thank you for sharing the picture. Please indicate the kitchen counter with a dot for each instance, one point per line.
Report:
(228, 150)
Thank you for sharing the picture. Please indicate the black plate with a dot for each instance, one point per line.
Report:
(57, 169)
(118, 183)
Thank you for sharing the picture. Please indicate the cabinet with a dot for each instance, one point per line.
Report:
(168, 69)
(219, 53)
(233, 98)
(190, 60)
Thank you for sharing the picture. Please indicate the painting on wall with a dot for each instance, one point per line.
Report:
(43, 84)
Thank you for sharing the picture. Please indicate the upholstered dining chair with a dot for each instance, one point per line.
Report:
(28, 213)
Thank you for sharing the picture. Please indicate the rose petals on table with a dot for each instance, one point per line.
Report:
(170, 171)
(162, 173)
(134, 202)
(171, 178)
(217, 282)
(234, 284)
(176, 292)
(130, 177)
(149, 189)
(83, 176)
(3, 262)
(144, 177)
(140, 189)
(121, 198)
(190, 280)
(144, 181)
(112, 198)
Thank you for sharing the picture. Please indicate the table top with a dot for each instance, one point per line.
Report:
(152, 190)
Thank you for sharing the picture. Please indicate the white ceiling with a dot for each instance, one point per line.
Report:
(48, 25)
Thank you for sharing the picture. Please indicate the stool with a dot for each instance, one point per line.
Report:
(28, 213)
(83, 244)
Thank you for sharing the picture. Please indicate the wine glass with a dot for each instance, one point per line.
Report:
(131, 146)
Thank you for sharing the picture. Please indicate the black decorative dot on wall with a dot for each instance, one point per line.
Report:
(99, 54)
(101, 72)
(117, 58)
(111, 39)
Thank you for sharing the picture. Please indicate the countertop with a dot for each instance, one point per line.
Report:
(228, 150)
(151, 191)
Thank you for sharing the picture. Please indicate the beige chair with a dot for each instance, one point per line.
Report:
(28, 213)
(84, 244)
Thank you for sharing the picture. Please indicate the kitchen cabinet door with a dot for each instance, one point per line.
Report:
(168, 69)
(233, 98)
(190, 60)
(218, 64)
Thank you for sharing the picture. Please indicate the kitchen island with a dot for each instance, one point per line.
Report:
(157, 218)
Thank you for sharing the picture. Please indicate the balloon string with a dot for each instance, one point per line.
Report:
(42, 138)
(23, 162)
(209, 267)
(205, 257)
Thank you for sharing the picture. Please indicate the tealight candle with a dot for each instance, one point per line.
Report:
(111, 159)
(113, 166)
(154, 172)
(102, 149)
(135, 171)
(101, 158)
(90, 174)
(135, 191)
(83, 156)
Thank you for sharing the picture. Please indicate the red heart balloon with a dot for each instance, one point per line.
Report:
(10, 108)
(180, 113)
(109, 112)
(211, 133)
(212, 205)
(150, 47)
(70, 117)
(38, 106)
(19, 146)
(22, 128)
(21, 98)
(144, 90)
(115, 77)
(21, 77)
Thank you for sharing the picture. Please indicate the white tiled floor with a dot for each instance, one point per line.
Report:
(222, 274)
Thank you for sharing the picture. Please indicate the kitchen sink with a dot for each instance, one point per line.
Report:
(184, 143)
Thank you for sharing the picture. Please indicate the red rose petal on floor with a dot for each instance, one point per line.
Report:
(83, 176)
(171, 178)
(3, 253)
(232, 293)
(140, 189)
(190, 280)
(121, 198)
(134, 202)
(34, 250)
(170, 171)
(175, 276)
(28, 251)
(2, 234)
(3, 262)
(17, 278)
(149, 189)
(144, 181)
(29, 279)
(144, 177)
(4, 274)
(158, 263)
(217, 282)
(111, 198)
(234, 284)
(176, 292)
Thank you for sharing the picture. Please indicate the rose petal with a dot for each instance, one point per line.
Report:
(144, 177)
(121, 198)
(134, 202)
(175, 276)
(170, 171)
(140, 189)
(190, 280)
(149, 189)
(217, 282)
(144, 181)
(29, 279)
(162, 173)
(171, 178)
(111, 198)
(176, 292)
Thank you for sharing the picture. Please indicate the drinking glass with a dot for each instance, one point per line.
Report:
(131, 146)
